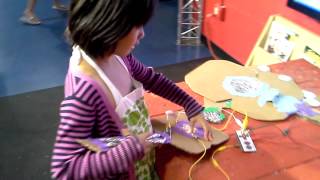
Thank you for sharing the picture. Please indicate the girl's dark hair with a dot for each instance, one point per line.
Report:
(97, 25)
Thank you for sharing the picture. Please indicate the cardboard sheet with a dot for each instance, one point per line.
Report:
(207, 80)
(189, 145)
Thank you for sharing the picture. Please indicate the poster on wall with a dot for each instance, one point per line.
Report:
(280, 42)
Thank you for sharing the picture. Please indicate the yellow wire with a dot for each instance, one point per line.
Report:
(202, 156)
(245, 122)
(227, 123)
(215, 162)
(221, 148)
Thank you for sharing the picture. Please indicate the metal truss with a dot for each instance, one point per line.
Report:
(189, 22)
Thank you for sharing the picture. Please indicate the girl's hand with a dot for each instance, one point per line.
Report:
(198, 119)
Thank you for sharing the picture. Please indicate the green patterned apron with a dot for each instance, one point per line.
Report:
(136, 119)
(132, 109)
(133, 112)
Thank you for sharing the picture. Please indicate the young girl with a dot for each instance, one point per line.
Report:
(104, 93)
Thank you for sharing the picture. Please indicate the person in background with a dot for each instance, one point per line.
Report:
(29, 16)
(104, 90)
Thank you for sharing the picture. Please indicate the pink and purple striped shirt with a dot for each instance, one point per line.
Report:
(85, 112)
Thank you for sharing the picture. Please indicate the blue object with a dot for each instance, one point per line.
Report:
(286, 104)
(268, 95)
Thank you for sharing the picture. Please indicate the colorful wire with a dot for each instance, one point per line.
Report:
(215, 162)
(227, 123)
(195, 163)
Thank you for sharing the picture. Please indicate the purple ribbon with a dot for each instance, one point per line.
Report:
(183, 128)
(305, 110)
(160, 138)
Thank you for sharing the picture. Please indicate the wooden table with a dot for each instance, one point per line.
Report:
(278, 156)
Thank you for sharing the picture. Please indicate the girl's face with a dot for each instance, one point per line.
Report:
(128, 43)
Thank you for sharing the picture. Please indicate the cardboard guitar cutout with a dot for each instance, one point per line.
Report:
(190, 145)
(207, 80)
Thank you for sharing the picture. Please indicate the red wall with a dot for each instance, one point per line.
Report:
(244, 21)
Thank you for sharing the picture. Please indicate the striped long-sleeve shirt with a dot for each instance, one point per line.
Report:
(86, 112)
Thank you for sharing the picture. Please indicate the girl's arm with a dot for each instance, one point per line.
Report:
(162, 86)
(81, 115)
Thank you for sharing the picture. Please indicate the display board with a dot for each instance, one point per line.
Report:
(282, 40)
